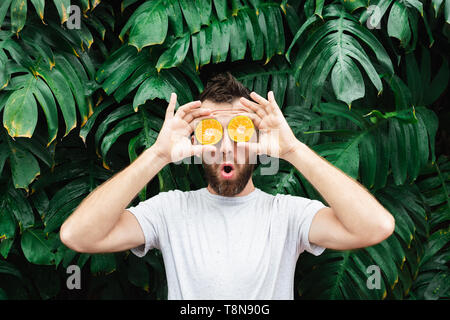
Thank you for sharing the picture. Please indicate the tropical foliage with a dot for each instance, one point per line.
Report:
(362, 84)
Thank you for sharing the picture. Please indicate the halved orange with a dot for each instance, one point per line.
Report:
(208, 131)
(241, 129)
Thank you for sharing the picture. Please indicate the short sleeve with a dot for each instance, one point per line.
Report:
(301, 212)
(149, 214)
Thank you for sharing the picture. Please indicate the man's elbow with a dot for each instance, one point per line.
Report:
(68, 238)
(383, 230)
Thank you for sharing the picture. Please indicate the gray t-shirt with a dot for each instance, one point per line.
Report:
(217, 247)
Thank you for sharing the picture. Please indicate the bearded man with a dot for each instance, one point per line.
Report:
(229, 240)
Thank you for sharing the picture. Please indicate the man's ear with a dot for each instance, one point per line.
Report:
(192, 139)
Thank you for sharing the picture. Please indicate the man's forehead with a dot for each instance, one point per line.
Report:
(225, 108)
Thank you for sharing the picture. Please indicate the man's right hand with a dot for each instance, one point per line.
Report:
(173, 143)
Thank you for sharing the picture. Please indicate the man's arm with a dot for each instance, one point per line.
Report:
(101, 223)
(355, 219)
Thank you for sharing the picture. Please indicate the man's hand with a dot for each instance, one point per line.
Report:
(275, 138)
(173, 143)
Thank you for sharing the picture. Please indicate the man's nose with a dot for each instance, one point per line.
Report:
(226, 147)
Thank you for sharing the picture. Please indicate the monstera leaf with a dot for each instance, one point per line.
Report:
(402, 22)
(22, 155)
(334, 47)
(80, 104)
(18, 11)
(61, 79)
(212, 37)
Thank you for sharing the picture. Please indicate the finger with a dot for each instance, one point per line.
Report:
(189, 117)
(265, 103)
(194, 122)
(273, 103)
(181, 112)
(258, 109)
(254, 117)
(171, 107)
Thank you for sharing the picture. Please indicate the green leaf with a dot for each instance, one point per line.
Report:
(355, 4)
(114, 62)
(221, 33)
(202, 47)
(431, 122)
(255, 37)
(61, 90)
(151, 27)
(175, 17)
(37, 248)
(126, 68)
(62, 6)
(438, 287)
(117, 114)
(436, 242)
(20, 114)
(4, 6)
(7, 223)
(399, 153)
(347, 81)
(103, 263)
(191, 15)
(266, 24)
(221, 9)
(238, 40)
(335, 46)
(34, 146)
(45, 97)
(175, 55)
(64, 202)
(368, 159)
(398, 23)
(142, 73)
(204, 10)
(39, 5)
(24, 166)
(4, 74)
(76, 82)
(19, 206)
(91, 121)
(40, 202)
(18, 14)
(153, 87)
(348, 159)
(129, 124)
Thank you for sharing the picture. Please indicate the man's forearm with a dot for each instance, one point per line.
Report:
(354, 206)
(100, 210)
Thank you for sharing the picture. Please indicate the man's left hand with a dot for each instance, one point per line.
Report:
(275, 138)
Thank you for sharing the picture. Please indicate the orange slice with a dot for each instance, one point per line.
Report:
(208, 131)
(241, 129)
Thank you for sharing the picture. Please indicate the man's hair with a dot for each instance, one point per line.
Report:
(224, 87)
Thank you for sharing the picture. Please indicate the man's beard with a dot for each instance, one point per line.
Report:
(228, 188)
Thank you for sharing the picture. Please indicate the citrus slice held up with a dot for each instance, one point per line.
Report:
(208, 131)
(241, 129)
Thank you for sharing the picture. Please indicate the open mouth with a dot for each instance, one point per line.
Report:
(227, 170)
